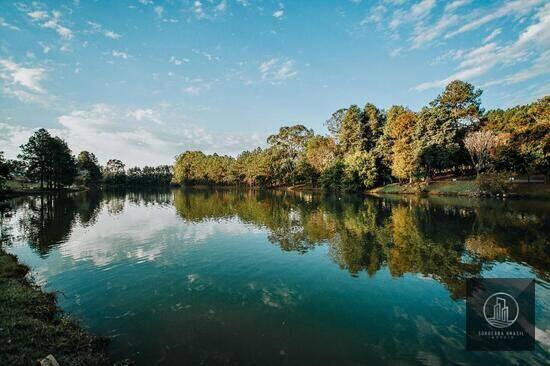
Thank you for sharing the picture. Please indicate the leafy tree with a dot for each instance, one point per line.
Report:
(334, 123)
(5, 170)
(332, 178)
(36, 156)
(320, 153)
(401, 127)
(350, 136)
(114, 172)
(438, 140)
(48, 160)
(89, 168)
(373, 124)
(362, 170)
(286, 147)
(462, 101)
(64, 169)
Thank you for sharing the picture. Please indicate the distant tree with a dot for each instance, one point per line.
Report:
(89, 168)
(286, 147)
(114, 172)
(48, 160)
(252, 167)
(36, 156)
(480, 146)
(64, 168)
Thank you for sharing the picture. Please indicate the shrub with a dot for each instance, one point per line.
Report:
(493, 182)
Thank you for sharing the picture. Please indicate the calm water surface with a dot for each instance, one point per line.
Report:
(267, 278)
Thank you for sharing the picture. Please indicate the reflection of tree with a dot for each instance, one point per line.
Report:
(449, 240)
(440, 238)
(47, 220)
(6, 212)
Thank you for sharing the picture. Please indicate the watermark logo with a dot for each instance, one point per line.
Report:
(500, 314)
(501, 310)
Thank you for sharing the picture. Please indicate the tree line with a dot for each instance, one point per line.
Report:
(368, 147)
(48, 161)
(365, 147)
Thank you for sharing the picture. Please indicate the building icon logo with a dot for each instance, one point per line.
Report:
(500, 310)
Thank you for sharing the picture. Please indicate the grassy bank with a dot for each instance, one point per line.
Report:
(32, 326)
(16, 188)
(462, 188)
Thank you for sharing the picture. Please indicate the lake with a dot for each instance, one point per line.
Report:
(239, 277)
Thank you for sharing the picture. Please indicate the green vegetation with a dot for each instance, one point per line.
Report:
(366, 148)
(34, 327)
(370, 147)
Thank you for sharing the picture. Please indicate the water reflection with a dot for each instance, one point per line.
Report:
(225, 276)
(443, 238)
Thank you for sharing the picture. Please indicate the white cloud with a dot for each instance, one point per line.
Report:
(207, 55)
(276, 70)
(114, 132)
(176, 61)
(198, 9)
(196, 86)
(120, 54)
(423, 35)
(5, 24)
(479, 61)
(149, 114)
(98, 28)
(517, 7)
(541, 66)
(159, 10)
(278, 13)
(21, 82)
(452, 6)
(493, 35)
(38, 15)
(222, 6)
(51, 21)
(422, 8)
(396, 52)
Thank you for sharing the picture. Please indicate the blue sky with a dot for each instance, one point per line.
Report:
(142, 80)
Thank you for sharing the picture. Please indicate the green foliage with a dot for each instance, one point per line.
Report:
(89, 169)
(114, 172)
(363, 170)
(5, 170)
(194, 167)
(331, 178)
(494, 182)
(350, 136)
(48, 160)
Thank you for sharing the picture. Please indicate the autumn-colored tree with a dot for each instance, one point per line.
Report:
(320, 153)
(480, 146)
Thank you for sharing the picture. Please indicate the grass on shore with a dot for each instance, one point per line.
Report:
(32, 326)
(461, 188)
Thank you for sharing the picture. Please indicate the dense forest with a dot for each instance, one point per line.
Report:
(369, 147)
(365, 147)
